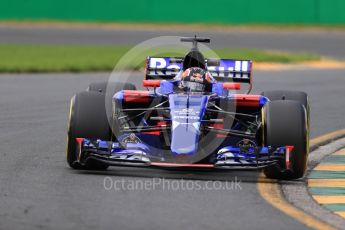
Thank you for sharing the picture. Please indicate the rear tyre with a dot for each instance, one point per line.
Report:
(102, 86)
(87, 119)
(109, 89)
(285, 123)
(97, 86)
(301, 97)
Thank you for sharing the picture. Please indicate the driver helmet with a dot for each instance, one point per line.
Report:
(196, 79)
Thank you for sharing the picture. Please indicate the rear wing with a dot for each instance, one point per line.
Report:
(223, 70)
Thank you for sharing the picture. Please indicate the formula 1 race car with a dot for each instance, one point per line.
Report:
(192, 117)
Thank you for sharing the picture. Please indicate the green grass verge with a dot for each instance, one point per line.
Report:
(80, 58)
(176, 26)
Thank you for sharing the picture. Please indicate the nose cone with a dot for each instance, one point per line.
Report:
(185, 138)
(186, 113)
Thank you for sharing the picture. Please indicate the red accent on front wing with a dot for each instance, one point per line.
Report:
(247, 100)
(163, 164)
(80, 143)
(289, 149)
(79, 140)
(136, 96)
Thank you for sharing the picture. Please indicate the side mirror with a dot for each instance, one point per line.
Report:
(231, 85)
(151, 83)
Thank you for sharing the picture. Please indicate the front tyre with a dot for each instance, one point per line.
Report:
(285, 123)
(87, 119)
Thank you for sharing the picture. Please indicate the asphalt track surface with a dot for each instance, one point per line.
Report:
(326, 43)
(39, 191)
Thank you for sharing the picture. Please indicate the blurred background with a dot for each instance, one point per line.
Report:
(313, 12)
(61, 35)
(51, 49)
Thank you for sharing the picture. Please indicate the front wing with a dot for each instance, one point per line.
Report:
(138, 154)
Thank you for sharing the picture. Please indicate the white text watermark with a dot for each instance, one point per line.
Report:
(122, 184)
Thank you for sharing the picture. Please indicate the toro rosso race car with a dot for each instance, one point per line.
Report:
(190, 116)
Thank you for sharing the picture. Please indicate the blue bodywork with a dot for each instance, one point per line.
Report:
(194, 122)
(187, 116)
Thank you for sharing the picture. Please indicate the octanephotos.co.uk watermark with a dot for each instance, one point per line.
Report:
(122, 184)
